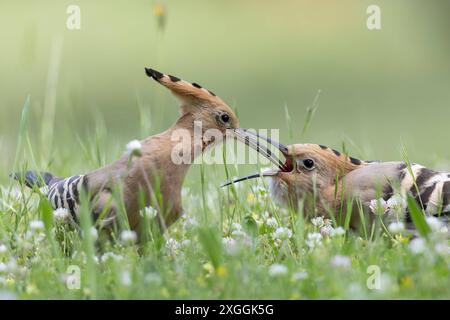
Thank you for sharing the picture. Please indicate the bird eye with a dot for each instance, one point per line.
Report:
(225, 117)
(308, 164)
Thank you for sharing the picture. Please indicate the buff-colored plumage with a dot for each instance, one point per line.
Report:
(153, 178)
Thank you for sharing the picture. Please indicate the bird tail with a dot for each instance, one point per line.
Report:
(34, 179)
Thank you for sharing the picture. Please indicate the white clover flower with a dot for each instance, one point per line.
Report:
(378, 206)
(172, 245)
(339, 261)
(434, 223)
(12, 265)
(272, 222)
(396, 202)
(44, 190)
(339, 231)
(230, 245)
(261, 190)
(236, 226)
(443, 230)
(396, 227)
(3, 267)
(128, 237)
(417, 246)
(94, 233)
(326, 230)
(125, 278)
(189, 222)
(314, 239)
(134, 148)
(300, 275)
(149, 212)
(277, 269)
(36, 225)
(317, 221)
(186, 243)
(282, 233)
(442, 248)
(110, 256)
(61, 214)
(3, 249)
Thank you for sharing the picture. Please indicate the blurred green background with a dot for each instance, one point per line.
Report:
(379, 89)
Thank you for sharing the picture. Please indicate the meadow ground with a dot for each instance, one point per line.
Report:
(231, 243)
(381, 92)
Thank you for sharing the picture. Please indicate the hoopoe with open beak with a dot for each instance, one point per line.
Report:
(154, 169)
(326, 180)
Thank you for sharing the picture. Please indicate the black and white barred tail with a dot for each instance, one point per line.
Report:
(61, 192)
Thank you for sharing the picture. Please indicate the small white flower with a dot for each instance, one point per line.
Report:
(172, 245)
(12, 265)
(313, 239)
(272, 222)
(282, 233)
(3, 267)
(417, 245)
(236, 226)
(125, 278)
(378, 206)
(317, 221)
(339, 261)
(128, 237)
(149, 212)
(396, 227)
(277, 269)
(36, 225)
(94, 233)
(44, 190)
(134, 148)
(186, 243)
(111, 256)
(231, 246)
(189, 222)
(434, 223)
(339, 231)
(301, 275)
(443, 230)
(442, 248)
(396, 202)
(3, 249)
(326, 230)
(61, 214)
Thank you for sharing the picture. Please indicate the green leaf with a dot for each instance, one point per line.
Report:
(250, 226)
(211, 245)
(418, 216)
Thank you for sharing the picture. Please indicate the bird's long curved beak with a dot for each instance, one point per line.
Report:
(252, 139)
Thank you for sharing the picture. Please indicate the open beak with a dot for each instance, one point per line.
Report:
(252, 140)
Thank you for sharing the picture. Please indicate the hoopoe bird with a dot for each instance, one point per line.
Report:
(154, 168)
(326, 180)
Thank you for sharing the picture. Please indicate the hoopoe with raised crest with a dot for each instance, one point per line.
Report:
(152, 170)
(326, 180)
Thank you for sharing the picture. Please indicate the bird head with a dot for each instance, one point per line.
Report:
(308, 168)
(198, 104)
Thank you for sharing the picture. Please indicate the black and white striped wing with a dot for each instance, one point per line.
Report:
(65, 193)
